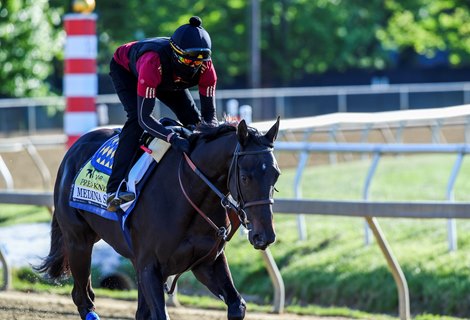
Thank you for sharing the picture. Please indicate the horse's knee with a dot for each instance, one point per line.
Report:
(236, 310)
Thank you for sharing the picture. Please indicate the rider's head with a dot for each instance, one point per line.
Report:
(191, 45)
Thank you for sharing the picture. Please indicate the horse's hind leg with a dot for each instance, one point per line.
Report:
(217, 278)
(79, 249)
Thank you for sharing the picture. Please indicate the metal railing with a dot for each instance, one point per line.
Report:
(271, 102)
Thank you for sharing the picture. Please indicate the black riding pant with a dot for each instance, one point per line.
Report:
(125, 84)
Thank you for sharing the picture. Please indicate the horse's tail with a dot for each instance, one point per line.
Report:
(56, 264)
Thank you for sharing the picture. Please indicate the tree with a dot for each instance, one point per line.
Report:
(298, 37)
(428, 26)
(29, 41)
(302, 37)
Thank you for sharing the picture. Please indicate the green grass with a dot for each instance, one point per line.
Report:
(333, 272)
(11, 214)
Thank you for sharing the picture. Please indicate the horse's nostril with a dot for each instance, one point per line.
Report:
(258, 239)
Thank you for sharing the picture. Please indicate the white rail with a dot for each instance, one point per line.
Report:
(342, 118)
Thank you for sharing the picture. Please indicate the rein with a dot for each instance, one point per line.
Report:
(227, 200)
(223, 233)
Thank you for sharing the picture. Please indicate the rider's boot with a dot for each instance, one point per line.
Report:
(116, 199)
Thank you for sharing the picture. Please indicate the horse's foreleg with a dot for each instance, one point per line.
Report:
(80, 266)
(151, 284)
(217, 278)
(143, 311)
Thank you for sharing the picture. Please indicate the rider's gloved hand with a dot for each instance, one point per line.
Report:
(211, 122)
(179, 143)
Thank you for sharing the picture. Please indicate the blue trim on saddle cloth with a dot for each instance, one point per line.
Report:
(88, 190)
(103, 159)
(96, 210)
(101, 210)
(80, 195)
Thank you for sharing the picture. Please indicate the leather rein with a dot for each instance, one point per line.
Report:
(223, 233)
(227, 201)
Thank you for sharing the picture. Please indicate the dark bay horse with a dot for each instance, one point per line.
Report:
(174, 225)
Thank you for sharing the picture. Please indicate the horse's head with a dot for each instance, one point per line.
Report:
(253, 173)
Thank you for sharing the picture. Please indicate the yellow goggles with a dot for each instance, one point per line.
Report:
(189, 62)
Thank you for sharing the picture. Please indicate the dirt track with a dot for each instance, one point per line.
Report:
(32, 306)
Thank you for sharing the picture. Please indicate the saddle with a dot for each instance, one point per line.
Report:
(88, 191)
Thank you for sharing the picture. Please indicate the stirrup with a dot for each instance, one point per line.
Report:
(114, 203)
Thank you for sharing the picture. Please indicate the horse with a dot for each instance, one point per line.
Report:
(180, 221)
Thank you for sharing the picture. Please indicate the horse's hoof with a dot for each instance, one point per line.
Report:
(237, 312)
(92, 316)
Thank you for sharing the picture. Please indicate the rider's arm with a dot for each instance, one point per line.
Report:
(207, 83)
(149, 70)
(155, 128)
(148, 122)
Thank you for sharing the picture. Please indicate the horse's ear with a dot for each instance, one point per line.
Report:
(271, 135)
(242, 132)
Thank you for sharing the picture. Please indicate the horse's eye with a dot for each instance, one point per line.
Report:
(244, 178)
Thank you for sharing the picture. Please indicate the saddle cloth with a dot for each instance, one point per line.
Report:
(89, 186)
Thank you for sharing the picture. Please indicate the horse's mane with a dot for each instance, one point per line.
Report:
(209, 133)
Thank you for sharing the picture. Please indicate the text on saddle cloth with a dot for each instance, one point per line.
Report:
(89, 187)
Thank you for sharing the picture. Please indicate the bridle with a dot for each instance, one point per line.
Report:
(241, 203)
(227, 201)
(224, 233)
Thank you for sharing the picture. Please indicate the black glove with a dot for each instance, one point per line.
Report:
(179, 143)
(211, 123)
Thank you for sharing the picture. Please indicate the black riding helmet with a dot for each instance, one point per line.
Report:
(191, 45)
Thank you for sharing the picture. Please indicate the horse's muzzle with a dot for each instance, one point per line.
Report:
(261, 241)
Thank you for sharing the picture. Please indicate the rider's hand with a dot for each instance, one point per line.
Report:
(179, 143)
(211, 122)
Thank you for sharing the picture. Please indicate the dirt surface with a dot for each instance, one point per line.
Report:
(31, 306)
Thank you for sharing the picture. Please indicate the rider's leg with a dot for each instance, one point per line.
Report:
(128, 146)
(125, 85)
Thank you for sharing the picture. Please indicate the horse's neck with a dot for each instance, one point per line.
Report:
(214, 157)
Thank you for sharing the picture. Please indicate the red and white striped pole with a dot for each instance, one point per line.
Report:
(80, 78)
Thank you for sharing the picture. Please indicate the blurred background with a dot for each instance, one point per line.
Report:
(353, 56)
